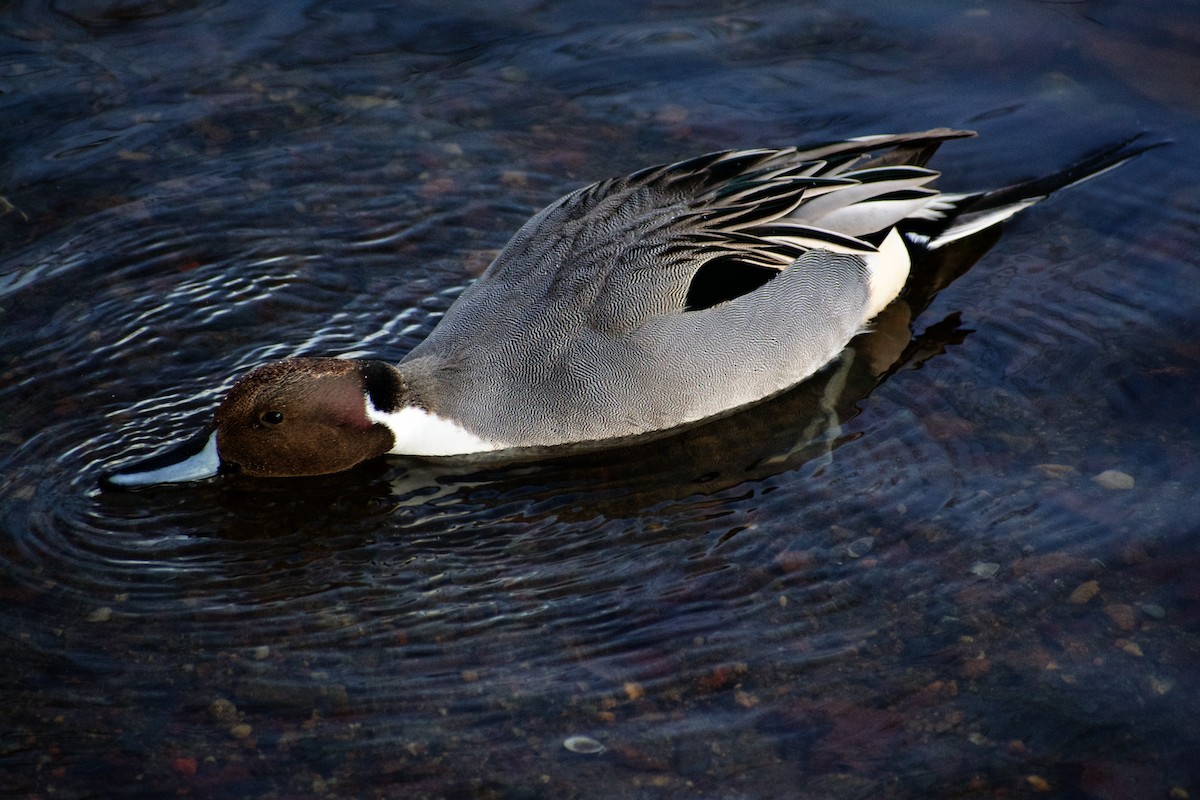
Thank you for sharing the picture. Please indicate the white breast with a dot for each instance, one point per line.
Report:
(419, 433)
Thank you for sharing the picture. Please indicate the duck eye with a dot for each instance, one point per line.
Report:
(271, 417)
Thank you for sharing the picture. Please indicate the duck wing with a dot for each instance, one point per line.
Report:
(689, 235)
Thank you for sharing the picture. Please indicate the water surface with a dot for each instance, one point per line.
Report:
(959, 564)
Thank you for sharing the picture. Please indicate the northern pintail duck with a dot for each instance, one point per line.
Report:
(632, 306)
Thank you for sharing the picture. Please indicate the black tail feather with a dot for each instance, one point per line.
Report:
(973, 213)
(1091, 165)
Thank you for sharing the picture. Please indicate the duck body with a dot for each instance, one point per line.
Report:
(632, 306)
(623, 371)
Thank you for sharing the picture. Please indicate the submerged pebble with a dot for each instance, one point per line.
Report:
(985, 569)
(223, 710)
(1122, 615)
(1161, 686)
(1037, 783)
(1084, 592)
(1058, 471)
(583, 744)
(1132, 648)
(860, 547)
(1114, 479)
(1153, 610)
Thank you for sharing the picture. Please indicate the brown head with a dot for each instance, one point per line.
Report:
(300, 416)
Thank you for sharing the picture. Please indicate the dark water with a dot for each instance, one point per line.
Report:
(961, 564)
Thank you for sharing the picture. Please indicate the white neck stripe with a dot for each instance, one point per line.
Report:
(417, 432)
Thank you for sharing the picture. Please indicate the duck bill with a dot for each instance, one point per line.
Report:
(193, 460)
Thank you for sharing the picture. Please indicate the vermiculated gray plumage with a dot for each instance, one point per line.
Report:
(585, 313)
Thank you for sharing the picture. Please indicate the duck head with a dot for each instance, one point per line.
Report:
(299, 416)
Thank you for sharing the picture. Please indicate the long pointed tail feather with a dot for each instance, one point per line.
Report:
(958, 216)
